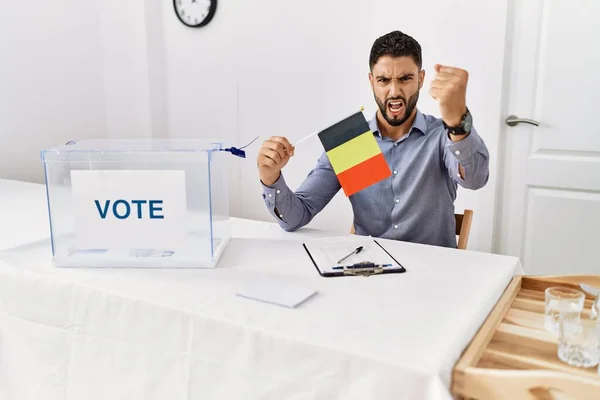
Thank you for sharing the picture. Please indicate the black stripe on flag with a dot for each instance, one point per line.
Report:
(343, 131)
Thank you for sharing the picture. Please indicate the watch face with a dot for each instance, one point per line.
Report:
(195, 13)
(468, 122)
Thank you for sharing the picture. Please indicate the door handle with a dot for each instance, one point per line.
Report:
(513, 120)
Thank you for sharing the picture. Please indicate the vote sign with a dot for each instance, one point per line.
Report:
(129, 209)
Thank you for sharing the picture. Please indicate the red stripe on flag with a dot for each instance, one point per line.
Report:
(365, 174)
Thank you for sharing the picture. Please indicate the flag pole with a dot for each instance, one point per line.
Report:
(305, 138)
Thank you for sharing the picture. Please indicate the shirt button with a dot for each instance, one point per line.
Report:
(395, 172)
(457, 152)
(278, 191)
(395, 226)
(397, 200)
(270, 195)
(395, 144)
(280, 215)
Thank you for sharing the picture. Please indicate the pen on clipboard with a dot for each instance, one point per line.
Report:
(358, 266)
(355, 251)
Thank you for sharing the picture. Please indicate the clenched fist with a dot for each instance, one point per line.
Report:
(449, 88)
(272, 157)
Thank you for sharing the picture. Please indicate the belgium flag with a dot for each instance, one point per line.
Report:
(354, 154)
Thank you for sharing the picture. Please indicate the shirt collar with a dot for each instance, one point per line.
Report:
(419, 124)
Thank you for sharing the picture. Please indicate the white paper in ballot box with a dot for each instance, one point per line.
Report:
(149, 203)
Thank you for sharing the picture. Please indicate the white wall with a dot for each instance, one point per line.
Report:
(128, 52)
(71, 70)
(290, 68)
(51, 81)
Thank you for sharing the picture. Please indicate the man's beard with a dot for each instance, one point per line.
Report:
(408, 108)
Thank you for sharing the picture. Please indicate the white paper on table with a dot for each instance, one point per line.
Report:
(276, 291)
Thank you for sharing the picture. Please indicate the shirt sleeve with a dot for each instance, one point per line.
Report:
(294, 210)
(473, 155)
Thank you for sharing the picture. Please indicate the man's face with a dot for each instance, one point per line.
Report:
(396, 82)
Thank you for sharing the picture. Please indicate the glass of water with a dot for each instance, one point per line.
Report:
(579, 342)
(595, 312)
(562, 303)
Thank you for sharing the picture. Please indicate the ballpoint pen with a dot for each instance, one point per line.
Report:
(355, 251)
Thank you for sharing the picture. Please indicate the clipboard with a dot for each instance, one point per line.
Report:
(374, 259)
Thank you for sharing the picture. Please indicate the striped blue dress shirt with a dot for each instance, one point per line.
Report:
(415, 204)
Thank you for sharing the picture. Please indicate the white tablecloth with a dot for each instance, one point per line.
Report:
(23, 213)
(183, 334)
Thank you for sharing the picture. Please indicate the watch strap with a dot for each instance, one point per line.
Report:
(457, 130)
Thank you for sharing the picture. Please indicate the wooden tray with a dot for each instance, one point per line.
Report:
(512, 356)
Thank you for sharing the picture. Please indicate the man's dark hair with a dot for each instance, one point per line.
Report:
(395, 44)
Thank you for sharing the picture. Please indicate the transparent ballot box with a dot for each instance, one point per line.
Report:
(137, 203)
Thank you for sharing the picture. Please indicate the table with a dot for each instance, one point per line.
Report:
(183, 334)
(23, 204)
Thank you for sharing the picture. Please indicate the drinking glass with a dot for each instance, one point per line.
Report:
(579, 341)
(595, 312)
(562, 303)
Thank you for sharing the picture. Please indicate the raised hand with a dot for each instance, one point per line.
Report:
(449, 89)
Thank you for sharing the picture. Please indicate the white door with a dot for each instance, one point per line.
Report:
(549, 193)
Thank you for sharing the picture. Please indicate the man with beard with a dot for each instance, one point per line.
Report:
(429, 156)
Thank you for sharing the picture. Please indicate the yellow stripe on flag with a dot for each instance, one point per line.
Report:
(353, 152)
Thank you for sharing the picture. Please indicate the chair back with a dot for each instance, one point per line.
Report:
(463, 228)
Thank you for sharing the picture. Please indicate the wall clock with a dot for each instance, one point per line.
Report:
(195, 13)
